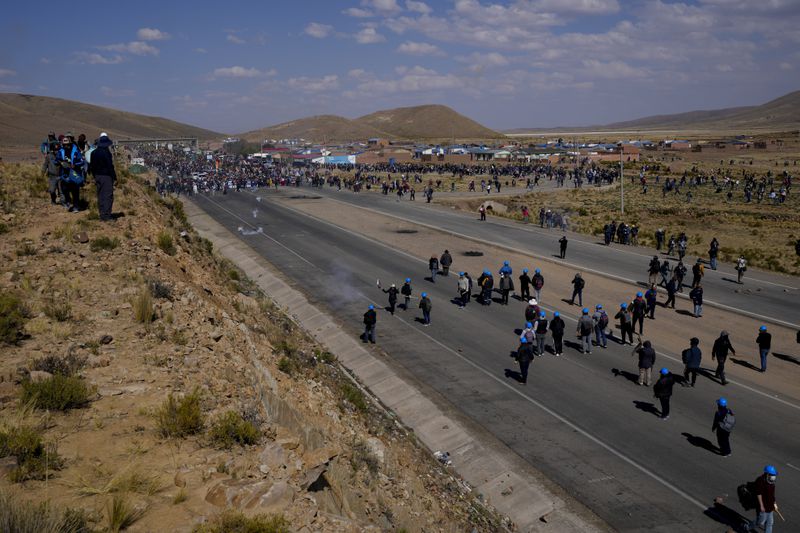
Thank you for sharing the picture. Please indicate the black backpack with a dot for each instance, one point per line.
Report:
(747, 495)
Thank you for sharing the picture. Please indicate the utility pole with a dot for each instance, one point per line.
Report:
(621, 183)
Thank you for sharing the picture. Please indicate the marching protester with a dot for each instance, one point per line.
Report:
(720, 352)
(696, 295)
(600, 320)
(524, 357)
(540, 328)
(392, 292)
(52, 169)
(72, 176)
(426, 306)
(723, 424)
(446, 260)
(577, 289)
(463, 290)
(506, 286)
(433, 265)
(557, 327)
(691, 357)
(764, 341)
(625, 323)
(562, 246)
(585, 327)
(647, 359)
(741, 268)
(101, 166)
(538, 284)
(525, 285)
(370, 320)
(406, 291)
(663, 391)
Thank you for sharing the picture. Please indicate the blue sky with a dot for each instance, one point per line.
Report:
(238, 66)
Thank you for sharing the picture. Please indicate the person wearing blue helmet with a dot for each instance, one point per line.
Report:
(426, 306)
(525, 285)
(766, 505)
(505, 269)
(506, 286)
(663, 391)
(524, 357)
(538, 283)
(625, 323)
(370, 319)
(638, 311)
(406, 291)
(486, 283)
(584, 331)
(557, 327)
(529, 333)
(764, 341)
(540, 327)
(600, 319)
(723, 423)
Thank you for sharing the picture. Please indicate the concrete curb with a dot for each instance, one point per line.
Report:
(486, 464)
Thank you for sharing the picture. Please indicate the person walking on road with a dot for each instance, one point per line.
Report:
(691, 357)
(433, 265)
(741, 268)
(525, 285)
(486, 283)
(406, 290)
(672, 288)
(562, 245)
(482, 211)
(665, 272)
(446, 260)
(724, 420)
(647, 358)
(698, 271)
(764, 341)
(538, 283)
(529, 333)
(585, 327)
(639, 310)
(625, 323)
(663, 391)
(600, 320)
(696, 295)
(653, 270)
(540, 327)
(557, 326)
(426, 306)
(577, 289)
(524, 358)
(506, 286)
(392, 292)
(720, 352)
(370, 319)
(463, 290)
(651, 297)
(713, 253)
(506, 269)
(766, 504)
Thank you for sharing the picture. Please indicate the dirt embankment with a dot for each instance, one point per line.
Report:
(146, 384)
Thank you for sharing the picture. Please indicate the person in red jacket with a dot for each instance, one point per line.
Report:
(765, 498)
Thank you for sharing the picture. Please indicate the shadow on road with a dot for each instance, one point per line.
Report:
(787, 358)
(647, 407)
(684, 312)
(727, 516)
(630, 376)
(730, 280)
(701, 442)
(513, 374)
(746, 364)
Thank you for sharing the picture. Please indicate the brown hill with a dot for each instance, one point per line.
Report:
(25, 120)
(781, 114)
(426, 122)
(320, 128)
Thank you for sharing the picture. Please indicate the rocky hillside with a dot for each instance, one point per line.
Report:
(146, 385)
(427, 122)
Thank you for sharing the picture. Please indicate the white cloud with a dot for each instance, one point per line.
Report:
(7, 72)
(189, 102)
(201, 50)
(357, 12)
(231, 38)
(418, 7)
(785, 66)
(612, 69)
(45, 61)
(357, 73)
(138, 48)
(97, 59)
(491, 59)
(240, 72)
(314, 85)
(320, 31)
(419, 49)
(369, 35)
(382, 6)
(152, 34)
(583, 7)
(413, 79)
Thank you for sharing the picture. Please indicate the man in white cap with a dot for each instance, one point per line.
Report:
(101, 166)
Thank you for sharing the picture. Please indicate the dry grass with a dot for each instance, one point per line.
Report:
(21, 516)
(180, 417)
(235, 522)
(128, 480)
(121, 514)
(143, 307)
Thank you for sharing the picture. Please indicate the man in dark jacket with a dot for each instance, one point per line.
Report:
(433, 265)
(406, 290)
(650, 297)
(101, 166)
(653, 270)
(647, 358)
(370, 319)
(663, 391)
(639, 310)
(578, 284)
(540, 327)
(392, 292)
(506, 286)
(625, 323)
(672, 288)
(722, 426)
(525, 285)
(538, 283)
(426, 306)
(562, 244)
(557, 326)
(446, 260)
(764, 341)
(52, 170)
(720, 352)
(692, 357)
(524, 358)
(696, 295)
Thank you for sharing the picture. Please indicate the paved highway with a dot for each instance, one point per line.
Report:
(584, 425)
(764, 296)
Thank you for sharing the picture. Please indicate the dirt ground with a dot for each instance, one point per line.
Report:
(670, 332)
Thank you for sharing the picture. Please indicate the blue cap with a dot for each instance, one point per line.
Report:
(523, 340)
(762, 328)
(505, 263)
(556, 314)
(538, 271)
(408, 280)
(528, 325)
(542, 314)
(424, 294)
(598, 306)
(664, 371)
(524, 270)
(460, 273)
(585, 311)
(623, 305)
(486, 271)
(769, 469)
(371, 307)
(639, 294)
(722, 402)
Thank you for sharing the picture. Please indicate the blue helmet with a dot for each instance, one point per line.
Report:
(524, 270)
(769, 469)
(722, 402)
(542, 314)
(664, 371)
(762, 328)
(408, 280)
(556, 314)
(528, 325)
(486, 271)
(424, 294)
(639, 294)
(598, 306)
(538, 271)
(523, 340)
(585, 311)
(371, 307)
(623, 305)
(505, 263)
(460, 273)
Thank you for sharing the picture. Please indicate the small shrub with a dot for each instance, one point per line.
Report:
(58, 310)
(354, 397)
(12, 318)
(160, 290)
(143, 307)
(230, 428)
(69, 365)
(179, 338)
(286, 365)
(233, 274)
(325, 357)
(34, 456)
(26, 249)
(122, 515)
(362, 456)
(59, 393)
(3, 228)
(180, 497)
(235, 522)
(103, 243)
(21, 516)
(180, 418)
(166, 244)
